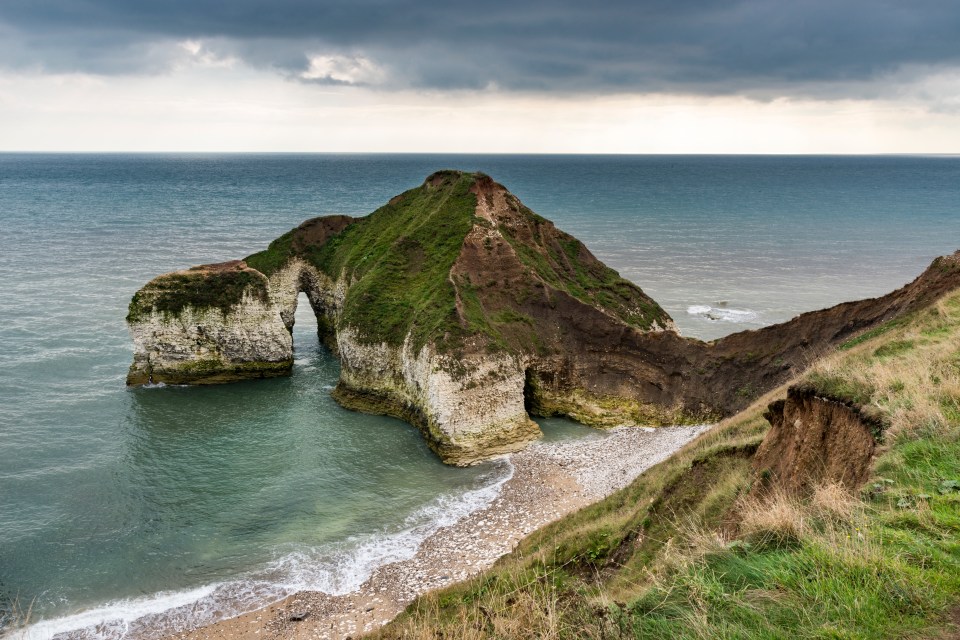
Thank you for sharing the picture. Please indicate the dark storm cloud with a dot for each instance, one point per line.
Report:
(763, 47)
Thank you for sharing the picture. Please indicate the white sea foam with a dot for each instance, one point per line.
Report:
(336, 569)
(723, 314)
(343, 570)
(113, 620)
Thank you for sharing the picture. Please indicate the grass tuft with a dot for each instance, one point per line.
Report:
(15, 615)
(776, 520)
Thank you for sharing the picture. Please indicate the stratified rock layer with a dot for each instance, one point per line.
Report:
(458, 309)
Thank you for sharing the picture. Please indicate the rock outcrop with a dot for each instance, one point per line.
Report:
(458, 309)
(207, 325)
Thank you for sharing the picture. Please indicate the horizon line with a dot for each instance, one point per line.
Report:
(476, 153)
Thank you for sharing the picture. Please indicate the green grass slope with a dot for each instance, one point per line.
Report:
(688, 551)
(398, 262)
(397, 259)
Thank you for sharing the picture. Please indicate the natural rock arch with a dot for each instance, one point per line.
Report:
(458, 309)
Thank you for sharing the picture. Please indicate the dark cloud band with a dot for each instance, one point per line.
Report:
(767, 47)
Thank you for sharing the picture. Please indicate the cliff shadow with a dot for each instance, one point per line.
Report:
(531, 397)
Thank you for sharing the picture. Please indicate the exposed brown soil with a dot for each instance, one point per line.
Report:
(813, 440)
(954, 632)
(575, 345)
(316, 231)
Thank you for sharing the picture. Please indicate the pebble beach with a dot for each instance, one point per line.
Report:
(548, 481)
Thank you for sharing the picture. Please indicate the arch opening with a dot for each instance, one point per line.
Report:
(304, 328)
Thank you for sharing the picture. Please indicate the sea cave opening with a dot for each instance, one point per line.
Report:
(531, 395)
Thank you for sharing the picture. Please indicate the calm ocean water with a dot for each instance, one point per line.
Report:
(116, 503)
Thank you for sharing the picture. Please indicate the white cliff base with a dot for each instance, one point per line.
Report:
(208, 346)
(469, 409)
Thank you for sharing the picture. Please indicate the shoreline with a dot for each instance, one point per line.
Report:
(549, 480)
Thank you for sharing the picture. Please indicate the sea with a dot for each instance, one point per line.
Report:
(131, 512)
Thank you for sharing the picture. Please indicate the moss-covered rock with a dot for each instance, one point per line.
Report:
(207, 325)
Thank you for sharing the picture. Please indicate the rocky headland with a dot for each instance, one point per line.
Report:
(458, 309)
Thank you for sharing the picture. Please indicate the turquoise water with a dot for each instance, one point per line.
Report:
(117, 502)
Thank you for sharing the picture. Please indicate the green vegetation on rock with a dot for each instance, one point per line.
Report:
(209, 371)
(398, 263)
(398, 259)
(200, 288)
(272, 259)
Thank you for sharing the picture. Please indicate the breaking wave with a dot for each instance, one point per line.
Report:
(722, 313)
(335, 569)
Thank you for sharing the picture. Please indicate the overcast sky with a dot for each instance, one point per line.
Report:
(641, 76)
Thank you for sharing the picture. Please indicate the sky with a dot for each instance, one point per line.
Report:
(492, 76)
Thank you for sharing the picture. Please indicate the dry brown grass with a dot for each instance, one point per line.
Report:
(776, 517)
(521, 605)
(912, 372)
(834, 501)
(779, 517)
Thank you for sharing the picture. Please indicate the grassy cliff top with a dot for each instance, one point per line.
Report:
(213, 286)
(690, 551)
(414, 268)
(397, 259)
(453, 260)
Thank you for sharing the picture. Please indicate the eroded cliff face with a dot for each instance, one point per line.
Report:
(468, 408)
(814, 440)
(459, 310)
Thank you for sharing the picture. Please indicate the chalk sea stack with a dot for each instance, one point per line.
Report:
(458, 309)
